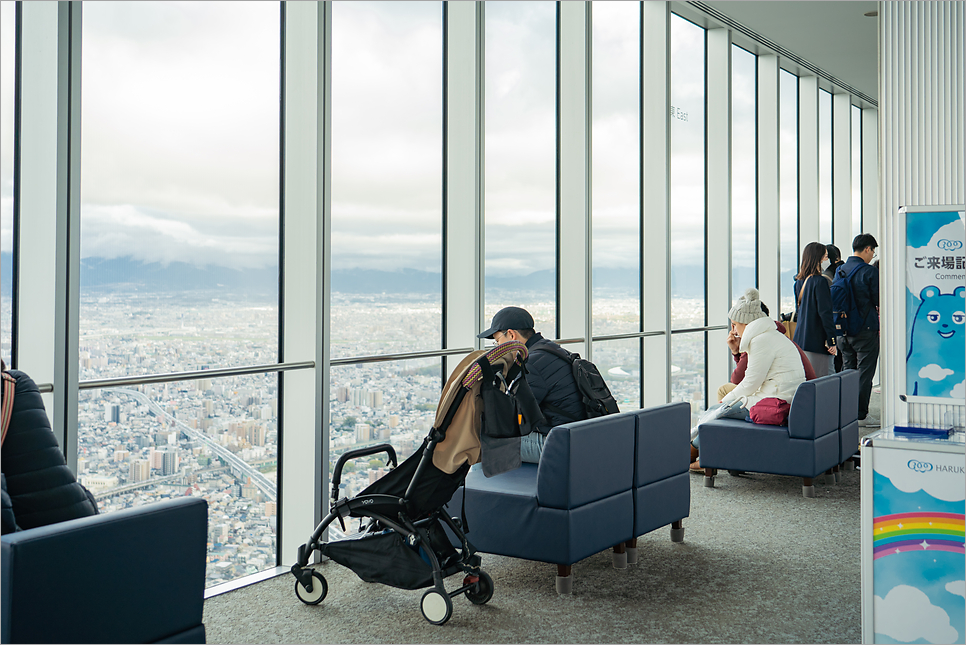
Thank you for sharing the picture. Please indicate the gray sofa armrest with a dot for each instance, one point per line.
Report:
(133, 576)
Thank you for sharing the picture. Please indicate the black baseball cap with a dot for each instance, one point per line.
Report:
(508, 318)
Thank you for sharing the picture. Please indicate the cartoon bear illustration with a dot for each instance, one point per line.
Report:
(936, 362)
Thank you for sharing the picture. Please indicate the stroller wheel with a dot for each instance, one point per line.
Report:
(484, 590)
(437, 607)
(319, 589)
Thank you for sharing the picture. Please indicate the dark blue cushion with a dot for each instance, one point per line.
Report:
(815, 409)
(660, 503)
(586, 461)
(848, 441)
(740, 445)
(848, 397)
(514, 525)
(138, 576)
(663, 434)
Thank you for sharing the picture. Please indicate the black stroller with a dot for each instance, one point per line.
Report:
(404, 544)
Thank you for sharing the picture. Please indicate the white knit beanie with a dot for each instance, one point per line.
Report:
(747, 308)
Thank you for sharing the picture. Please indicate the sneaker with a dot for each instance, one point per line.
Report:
(869, 421)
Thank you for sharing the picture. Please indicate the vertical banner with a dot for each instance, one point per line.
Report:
(918, 563)
(935, 299)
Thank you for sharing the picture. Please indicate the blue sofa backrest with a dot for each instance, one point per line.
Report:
(849, 393)
(587, 461)
(815, 408)
(662, 431)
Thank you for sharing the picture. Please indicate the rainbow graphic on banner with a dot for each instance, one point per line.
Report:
(903, 532)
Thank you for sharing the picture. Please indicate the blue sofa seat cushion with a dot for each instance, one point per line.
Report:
(740, 445)
(587, 461)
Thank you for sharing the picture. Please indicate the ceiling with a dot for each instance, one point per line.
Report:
(834, 36)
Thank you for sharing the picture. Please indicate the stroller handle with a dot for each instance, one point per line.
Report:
(355, 454)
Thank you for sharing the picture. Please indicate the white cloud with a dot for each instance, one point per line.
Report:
(957, 587)
(911, 473)
(934, 372)
(906, 614)
(959, 392)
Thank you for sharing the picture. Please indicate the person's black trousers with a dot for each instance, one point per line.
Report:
(861, 352)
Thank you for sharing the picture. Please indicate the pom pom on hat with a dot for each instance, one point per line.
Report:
(747, 308)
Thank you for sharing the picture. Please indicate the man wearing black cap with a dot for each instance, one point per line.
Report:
(549, 376)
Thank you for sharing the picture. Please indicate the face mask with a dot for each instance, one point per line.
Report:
(825, 264)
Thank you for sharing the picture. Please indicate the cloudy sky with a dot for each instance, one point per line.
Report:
(180, 118)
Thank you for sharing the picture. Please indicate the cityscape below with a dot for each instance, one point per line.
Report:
(217, 438)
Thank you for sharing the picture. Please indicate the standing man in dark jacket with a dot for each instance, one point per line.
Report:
(862, 350)
(549, 376)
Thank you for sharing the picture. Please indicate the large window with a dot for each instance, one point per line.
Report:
(520, 158)
(744, 166)
(179, 262)
(7, 56)
(788, 186)
(824, 169)
(616, 168)
(387, 129)
(687, 227)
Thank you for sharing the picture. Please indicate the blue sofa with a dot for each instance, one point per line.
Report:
(822, 432)
(133, 576)
(600, 483)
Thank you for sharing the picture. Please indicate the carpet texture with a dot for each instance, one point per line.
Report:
(759, 564)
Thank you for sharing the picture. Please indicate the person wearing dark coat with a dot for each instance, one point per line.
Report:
(41, 488)
(861, 351)
(549, 375)
(834, 262)
(815, 331)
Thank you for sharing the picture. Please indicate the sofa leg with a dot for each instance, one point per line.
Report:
(837, 472)
(709, 474)
(849, 464)
(808, 489)
(677, 531)
(620, 556)
(830, 477)
(631, 547)
(565, 579)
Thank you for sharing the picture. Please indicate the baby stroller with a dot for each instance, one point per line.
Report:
(484, 409)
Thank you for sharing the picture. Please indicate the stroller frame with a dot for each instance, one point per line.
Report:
(395, 513)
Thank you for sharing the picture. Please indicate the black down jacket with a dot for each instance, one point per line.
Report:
(551, 379)
(41, 486)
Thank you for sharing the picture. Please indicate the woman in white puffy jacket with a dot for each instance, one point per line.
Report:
(774, 364)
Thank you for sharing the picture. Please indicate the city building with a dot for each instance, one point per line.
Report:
(622, 170)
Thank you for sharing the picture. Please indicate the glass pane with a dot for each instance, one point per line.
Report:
(387, 143)
(619, 362)
(142, 444)
(616, 168)
(824, 167)
(179, 186)
(744, 162)
(688, 371)
(687, 174)
(7, 55)
(788, 187)
(520, 150)
(856, 134)
(373, 403)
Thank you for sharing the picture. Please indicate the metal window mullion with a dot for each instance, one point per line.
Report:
(719, 193)
(808, 166)
(655, 197)
(870, 173)
(463, 230)
(842, 170)
(47, 208)
(769, 238)
(303, 393)
(573, 172)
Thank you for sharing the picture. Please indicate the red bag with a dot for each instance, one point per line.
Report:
(770, 411)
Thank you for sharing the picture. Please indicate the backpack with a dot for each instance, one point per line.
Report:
(849, 321)
(598, 400)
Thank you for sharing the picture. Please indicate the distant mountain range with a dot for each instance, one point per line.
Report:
(127, 274)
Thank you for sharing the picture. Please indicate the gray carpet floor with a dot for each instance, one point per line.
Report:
(759, 564)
